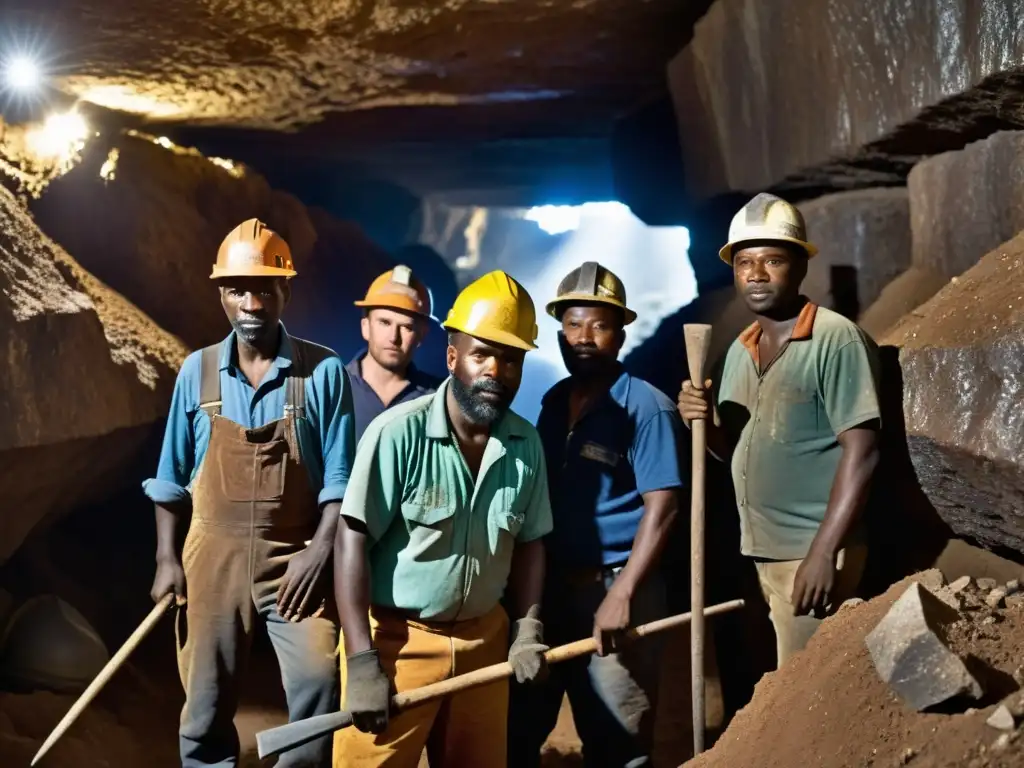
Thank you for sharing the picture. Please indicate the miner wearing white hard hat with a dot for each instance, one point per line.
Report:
(256, 458)
(797, 416)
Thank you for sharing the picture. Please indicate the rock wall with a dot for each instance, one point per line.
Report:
(839, 94)
(147, 217)
(962, 357)
(87, 376)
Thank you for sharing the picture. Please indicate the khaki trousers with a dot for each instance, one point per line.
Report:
(466, 730)
(777, 576)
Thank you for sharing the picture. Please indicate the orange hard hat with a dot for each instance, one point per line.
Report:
(398, 289)
(252, 249)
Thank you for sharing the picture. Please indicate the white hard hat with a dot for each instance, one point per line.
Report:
(767, 217)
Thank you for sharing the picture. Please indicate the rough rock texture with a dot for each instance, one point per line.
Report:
(966, 203)
(863, 240)
(86, 377)
(828, 707)
(904, 294)
(766, 92)
(278, 65)
(150, 228)
(909, 651)
(962, 358)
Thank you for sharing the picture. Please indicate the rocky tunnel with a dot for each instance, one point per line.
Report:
(375, 132)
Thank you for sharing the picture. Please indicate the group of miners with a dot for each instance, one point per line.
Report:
(459, 534)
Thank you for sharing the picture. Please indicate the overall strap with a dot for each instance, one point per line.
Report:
(209, 380)
(306, 356)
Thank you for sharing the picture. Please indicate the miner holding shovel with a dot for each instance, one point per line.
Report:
(797, 417)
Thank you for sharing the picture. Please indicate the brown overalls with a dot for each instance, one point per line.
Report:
(253, 507)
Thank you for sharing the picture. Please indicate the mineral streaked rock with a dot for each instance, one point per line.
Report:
(962, 356)
(910, 653)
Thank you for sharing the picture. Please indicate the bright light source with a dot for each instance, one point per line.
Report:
(22, 73)
(59, 137)
(558, 219)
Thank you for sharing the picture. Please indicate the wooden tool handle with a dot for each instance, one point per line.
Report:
(105, 674)
(274, 741)
(698, 339)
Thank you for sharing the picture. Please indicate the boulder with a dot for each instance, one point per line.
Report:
(962, 359)
(49, 645)
(764, 93)
(966, 203)
(863, 239)
(87, 377)
(899, 298)
(910, 654)
(147, 216)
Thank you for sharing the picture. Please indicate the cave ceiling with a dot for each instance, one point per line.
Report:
(432, 95)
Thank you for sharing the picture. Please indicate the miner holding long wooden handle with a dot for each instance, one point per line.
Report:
(798, 417)
(257, 451)
(447, 507)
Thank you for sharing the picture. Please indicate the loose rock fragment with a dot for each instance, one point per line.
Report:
(932, 579)
(1002, 719)
(853, 602)
(1013, 586)
(985, 584)
(910, 653)
(996, 597)
(952, 599)
(1015, 601)
(1001, 743)
(960, 584)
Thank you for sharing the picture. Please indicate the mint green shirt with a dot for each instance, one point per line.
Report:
(441, 542)
(786, 416)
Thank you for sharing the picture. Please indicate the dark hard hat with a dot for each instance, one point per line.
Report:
(591, 283)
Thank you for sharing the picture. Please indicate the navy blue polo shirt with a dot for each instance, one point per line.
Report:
(368, 405)
(626, 445)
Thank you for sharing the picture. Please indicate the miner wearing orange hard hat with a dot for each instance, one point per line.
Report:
(257, 452)
(444, 517)
(396, 318)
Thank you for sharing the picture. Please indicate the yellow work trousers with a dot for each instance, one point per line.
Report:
(465, 730)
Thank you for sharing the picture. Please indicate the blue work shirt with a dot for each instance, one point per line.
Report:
(368, 404)
(625, 445)
(326, 435)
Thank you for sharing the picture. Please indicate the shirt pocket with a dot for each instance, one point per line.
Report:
(431, 530)
(792, 415)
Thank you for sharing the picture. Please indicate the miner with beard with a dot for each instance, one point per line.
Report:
(397, 316)
(611, 442)
(443, 519)
(256, 455)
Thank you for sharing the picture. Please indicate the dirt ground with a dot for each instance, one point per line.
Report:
(829, 707)
(133, 722)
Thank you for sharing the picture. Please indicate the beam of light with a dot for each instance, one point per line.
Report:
(559, 219)
(22, 73)
(60, 138)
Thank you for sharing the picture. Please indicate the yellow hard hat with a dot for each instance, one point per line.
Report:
(495, 308)
(767, 217)
(398, 289)
(252, 249)
(594, 283)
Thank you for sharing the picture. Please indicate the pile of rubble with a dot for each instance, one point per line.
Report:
(928, 674)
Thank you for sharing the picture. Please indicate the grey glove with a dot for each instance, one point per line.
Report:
(367, 692)
(527, 652)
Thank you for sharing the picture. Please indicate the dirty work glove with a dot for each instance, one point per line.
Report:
(367, 691)
(527, 652)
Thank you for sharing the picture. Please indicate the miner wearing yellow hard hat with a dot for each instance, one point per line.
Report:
(612, 446)
(396, 318)
(445, 513)
(799, 420)
(257, 451)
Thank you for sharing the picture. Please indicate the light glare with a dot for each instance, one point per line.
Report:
(60, 137)
(22, 74)
(558, 219)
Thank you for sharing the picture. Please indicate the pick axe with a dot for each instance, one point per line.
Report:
(105, 674)
(274, 741)
(698, 339)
